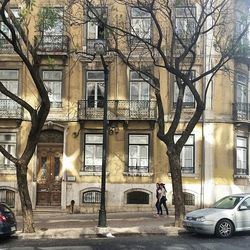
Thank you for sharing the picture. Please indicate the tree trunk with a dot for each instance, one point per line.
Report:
(174, 162)
(28, 223)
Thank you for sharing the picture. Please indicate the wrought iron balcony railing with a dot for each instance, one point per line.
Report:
(58, 44)
(10, 110)
(90, 46)
(117, 110)
(241, 112)
(5, 47)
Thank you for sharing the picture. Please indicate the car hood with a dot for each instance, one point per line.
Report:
(208, 211)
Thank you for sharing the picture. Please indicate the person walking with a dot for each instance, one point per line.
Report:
(158, 194)
(163, 198)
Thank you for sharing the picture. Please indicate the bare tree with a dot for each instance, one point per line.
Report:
(16, 34)
(170, 36)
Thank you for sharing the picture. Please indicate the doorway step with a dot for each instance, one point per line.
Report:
(48, 209)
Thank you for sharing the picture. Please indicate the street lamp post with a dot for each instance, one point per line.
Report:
(100, 50)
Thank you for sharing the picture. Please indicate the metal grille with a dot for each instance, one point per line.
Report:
(118, 110)
(91, 197)
(8, 197)
(241, 111)
(10, 109)
(55, 43)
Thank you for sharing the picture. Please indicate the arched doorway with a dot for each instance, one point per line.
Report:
(49, 168)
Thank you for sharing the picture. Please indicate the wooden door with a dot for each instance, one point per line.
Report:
(49, 176)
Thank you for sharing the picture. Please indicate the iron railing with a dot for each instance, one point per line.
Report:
(241, 171)
(52, 43)
(10, 109)
(241, 111)
(117, 110)
(5, 47)
(91, 45)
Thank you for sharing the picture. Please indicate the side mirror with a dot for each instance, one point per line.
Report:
(242, 207)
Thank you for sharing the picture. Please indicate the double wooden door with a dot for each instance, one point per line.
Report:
(49, 174)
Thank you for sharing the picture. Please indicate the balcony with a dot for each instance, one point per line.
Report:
(5, 47)
(10, 110)
(117, 110)
(241, 112)
(52, 44)
(90, 49)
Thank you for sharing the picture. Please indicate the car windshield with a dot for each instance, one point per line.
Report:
(228, 202)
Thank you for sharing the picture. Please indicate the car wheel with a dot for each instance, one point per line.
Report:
(224, 229)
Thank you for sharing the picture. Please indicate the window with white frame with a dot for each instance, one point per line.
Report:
(241, 155)
(138, 153)
(241, 88)
(52, 80)
(93, 152)
(139, 88)
(140, 24)
(95, 89)
(185, 21)
(187, 155)
(4, 28)
(188, 98)
(8, 141)
(242, 19)
(52, 27)
(95, 28)
(10, 79)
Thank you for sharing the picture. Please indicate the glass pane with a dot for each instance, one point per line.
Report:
(7, 138)
(138, 139)
(241, 142)
(135, 12)
(52, 75)
(94, 138)
(95, 75)
(92, 30)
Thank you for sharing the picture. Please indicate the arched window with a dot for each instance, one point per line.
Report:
(137, 197)
(7, 196)
(91, 196)
(189, 199)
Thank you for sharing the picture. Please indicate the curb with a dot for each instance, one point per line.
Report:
(95, 232)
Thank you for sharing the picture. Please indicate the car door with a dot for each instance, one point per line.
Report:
(243, 216)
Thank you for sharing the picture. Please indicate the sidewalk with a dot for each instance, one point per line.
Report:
(63, 225)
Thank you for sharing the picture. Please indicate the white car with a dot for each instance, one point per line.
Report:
(228, 215)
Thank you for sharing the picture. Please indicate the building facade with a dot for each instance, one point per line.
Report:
(67, 163)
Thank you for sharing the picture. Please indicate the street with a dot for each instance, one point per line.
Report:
(239, 241)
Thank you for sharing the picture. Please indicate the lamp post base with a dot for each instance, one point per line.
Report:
(102, 218)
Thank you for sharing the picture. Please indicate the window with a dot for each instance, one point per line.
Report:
(241, 155)
(52, 28)
(139, 88)
(138, 153)
(8, 141)
(95, 29)
(7, 196)
(4, 28)
(189, 199)
(9, 78)
(241, 88)
(93, 152)
(242, 19)
(185, 21)
(140, 24)
(137, 197)
(95, 89)
(53, 82)
(188, 98)
(187, 155)
(91, 197)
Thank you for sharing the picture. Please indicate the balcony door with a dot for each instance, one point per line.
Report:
(139, 96)
(49, 175)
